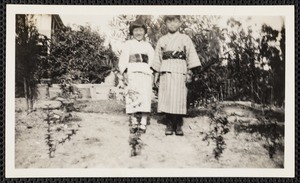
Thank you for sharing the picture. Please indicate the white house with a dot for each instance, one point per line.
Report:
(46, 24)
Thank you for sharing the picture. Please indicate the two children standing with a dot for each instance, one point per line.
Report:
(172, 61)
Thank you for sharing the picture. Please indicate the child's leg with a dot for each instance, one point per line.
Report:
(144, 121)
(133, 123)
(133, 120)
(178, 120)
(169, 124)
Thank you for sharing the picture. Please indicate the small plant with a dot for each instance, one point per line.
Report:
(68, 137)
(69, 91)
(267, 129)
(219, 126)
(135, 140)
(135, 143)
(59, 120)
(56, 125)
(49, 136)
(133, 98)
(69, 94)
(273, 137)
(112, 95)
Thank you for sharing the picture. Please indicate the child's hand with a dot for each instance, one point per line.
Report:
(121, 83)
(155, 80)
(125, 79)
(189, 76)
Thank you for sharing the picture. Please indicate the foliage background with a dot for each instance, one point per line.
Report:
(238, 61)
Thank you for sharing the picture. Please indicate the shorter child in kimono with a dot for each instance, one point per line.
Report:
(134, 60)
(175, 56)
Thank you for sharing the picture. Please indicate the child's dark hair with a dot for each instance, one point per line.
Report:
(137, 24)
(171, 17)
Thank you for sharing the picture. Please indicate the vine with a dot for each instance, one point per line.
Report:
(219, 126)
(59, 128)
(135, 140)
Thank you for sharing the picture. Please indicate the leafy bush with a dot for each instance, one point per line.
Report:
(78, 56)
(243, 68)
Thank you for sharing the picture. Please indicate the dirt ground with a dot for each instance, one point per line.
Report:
(102, 141)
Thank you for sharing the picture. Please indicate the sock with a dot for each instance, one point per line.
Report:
(179, 119)
(144, 121)
(133, 120)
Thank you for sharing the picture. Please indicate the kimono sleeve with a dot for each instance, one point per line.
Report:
(156, 62)
(124, 58)
(150, 53)
(192, 56)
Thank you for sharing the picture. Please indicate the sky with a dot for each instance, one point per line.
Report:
(101, 23)
(98, 23)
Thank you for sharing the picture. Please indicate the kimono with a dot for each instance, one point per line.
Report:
(175, 54)
(135, 58)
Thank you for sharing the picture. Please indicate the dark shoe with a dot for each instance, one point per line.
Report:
(179, 131)
(169, 129)
(133, 129)
(148, 120)
(142, 129)
(178, 125)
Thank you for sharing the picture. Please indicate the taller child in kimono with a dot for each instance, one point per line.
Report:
(135, 58)
(175, 56)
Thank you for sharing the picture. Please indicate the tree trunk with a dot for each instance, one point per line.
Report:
(228, 87)
(205, 96)
(272, 96)
(221, 93)
(29, 95)
(26, 94)
(47, 91)
(30, 98)
(252, 94)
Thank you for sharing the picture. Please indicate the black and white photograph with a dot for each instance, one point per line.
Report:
(150, 91)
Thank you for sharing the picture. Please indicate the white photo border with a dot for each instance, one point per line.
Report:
(286, 11)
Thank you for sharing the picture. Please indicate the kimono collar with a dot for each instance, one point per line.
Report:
(137, 40)
(174, 34)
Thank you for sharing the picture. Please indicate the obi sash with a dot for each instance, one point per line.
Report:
(173, 55)
(136, 58)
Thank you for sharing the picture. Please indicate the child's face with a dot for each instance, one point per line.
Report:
(173, 25)
(138, 33)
